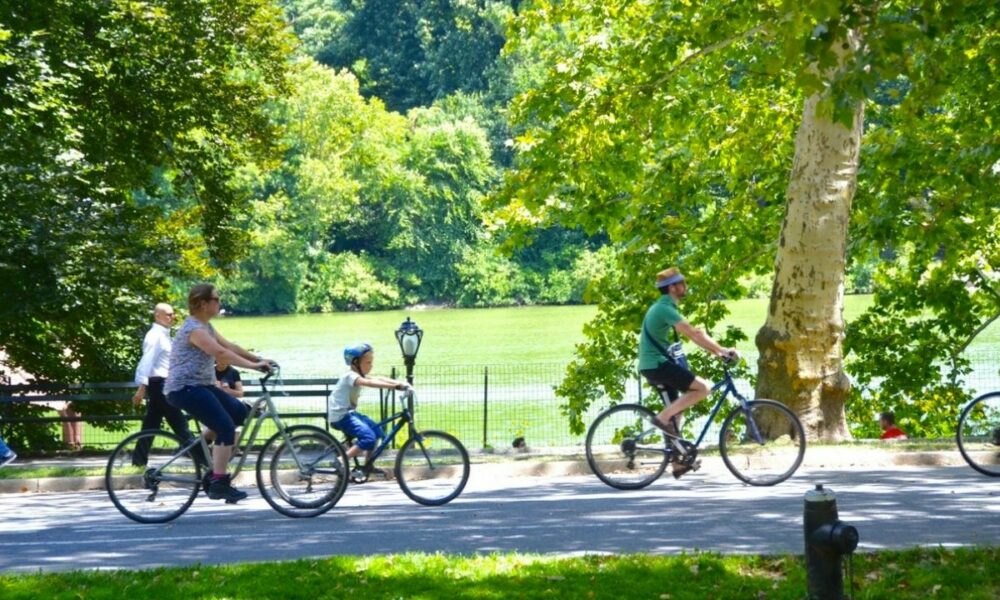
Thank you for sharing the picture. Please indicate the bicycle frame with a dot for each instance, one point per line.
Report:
(405, 418)
(248, 435)
(728, 387)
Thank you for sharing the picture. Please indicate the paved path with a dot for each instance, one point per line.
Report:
(710, 510)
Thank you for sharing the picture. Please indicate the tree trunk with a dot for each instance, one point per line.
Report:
(800, 344)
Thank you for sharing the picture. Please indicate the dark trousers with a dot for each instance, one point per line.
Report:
(216, 409)
(156, 409)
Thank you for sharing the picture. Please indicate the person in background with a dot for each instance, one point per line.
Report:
(7, 455)
(887, 421)
(191, 384)
(72, 431)
(228, 378)
(150, 374)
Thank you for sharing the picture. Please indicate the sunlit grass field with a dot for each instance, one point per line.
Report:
(485, 375)
(312, 345)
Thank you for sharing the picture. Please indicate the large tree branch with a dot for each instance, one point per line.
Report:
(706, 51)
(989, 287)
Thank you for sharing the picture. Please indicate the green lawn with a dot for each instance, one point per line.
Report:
(312, 345)
(967, 574)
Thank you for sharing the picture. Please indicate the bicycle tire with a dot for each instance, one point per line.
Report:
(978, 434)
(290, 490)
(617, 457)
(432, 468)
(159, 491)
(773, 456)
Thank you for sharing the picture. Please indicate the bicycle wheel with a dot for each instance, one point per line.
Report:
(303, 474)
(764, 444)
(158, 491)
(978, 434)
(624, 449)
(432, 468)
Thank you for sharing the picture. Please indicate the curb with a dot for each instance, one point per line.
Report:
(539, 466)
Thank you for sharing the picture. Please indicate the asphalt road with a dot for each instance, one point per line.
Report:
(895, 507)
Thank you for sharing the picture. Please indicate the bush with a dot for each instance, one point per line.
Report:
(345, 281)
(488, 279)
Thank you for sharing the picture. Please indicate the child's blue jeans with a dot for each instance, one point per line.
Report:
(363, 429)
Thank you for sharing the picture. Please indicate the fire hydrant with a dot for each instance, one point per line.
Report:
(828, 540)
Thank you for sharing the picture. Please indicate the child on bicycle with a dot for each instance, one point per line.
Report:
(343, 403)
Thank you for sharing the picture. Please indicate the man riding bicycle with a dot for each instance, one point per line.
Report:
(662, 363)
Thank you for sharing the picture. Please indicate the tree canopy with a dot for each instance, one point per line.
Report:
(669, 127)
(123, 122)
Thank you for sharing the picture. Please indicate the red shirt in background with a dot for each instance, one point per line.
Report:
(892, 433)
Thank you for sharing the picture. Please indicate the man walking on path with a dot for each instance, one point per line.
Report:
(150, 375)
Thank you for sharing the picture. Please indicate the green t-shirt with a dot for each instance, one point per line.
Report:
(659, 320)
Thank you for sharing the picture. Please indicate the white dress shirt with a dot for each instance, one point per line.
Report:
(155, 360)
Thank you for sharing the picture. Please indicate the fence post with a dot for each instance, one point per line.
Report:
(486, 401)
(638, 381)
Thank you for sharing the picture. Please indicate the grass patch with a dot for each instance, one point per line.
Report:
(42, 472)
(966, 573)
(312, 345)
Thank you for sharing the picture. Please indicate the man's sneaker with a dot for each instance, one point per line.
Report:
(6, 460)
(669, 428)
(222, 489)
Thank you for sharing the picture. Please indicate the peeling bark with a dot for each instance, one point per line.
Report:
(800, 344)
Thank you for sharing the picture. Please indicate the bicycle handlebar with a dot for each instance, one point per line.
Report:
(271, 370)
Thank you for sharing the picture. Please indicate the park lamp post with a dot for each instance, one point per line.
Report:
(409, 335)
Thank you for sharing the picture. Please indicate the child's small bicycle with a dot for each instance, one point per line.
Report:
(432, 467)
(761, 441)
(300, 470)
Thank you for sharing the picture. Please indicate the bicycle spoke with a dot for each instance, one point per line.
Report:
(304, 476)
(624, 449)
(978, 434)
(159, 490)
(432, 468)
(763, 445)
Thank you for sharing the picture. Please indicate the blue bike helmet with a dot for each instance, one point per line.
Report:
(352, 353)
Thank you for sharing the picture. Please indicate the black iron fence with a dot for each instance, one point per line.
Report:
(484, 406)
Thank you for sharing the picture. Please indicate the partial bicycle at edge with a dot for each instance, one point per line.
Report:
(978, 434)
(761, 441)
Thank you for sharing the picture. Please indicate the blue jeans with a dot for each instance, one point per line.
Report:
(362, 428)
(216, 409)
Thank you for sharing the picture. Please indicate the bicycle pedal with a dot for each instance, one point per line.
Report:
(231, 501)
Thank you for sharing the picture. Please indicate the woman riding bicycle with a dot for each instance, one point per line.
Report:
(663, 367)
(191, 384)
